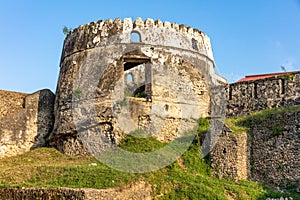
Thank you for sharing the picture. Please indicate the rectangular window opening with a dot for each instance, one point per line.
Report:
(255, 91)
(230, 93)
(282, 86)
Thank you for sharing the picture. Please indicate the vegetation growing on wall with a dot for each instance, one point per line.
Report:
(66, 30)
(267, 117)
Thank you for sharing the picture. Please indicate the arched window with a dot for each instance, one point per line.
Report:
(135, 36)
(129, 78)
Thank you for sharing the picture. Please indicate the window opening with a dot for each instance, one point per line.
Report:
(135, 37)
(194, 44)
(129, 78)
(255, 90)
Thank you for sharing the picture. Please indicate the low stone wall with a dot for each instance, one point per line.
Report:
(230, 155)
(26, 120)
(138, 190)
(269, 152)
(247, 97)
(42, 194)
(275, 158)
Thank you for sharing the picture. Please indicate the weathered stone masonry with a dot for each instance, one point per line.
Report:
(275, 159)
(25, 121)
(250, 96)
(171, 68)
(259, 154)
(230, 156)
(162, 82)
(136, 190)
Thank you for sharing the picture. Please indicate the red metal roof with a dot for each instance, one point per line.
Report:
(262, 76)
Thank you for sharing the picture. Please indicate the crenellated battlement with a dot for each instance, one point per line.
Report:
(102, 33)
(128, 25)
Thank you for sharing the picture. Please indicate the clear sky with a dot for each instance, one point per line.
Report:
(248, 37)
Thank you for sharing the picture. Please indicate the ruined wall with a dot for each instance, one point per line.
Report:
(260, 154)
(269, 152)
(26, 120)
(137, 190)
(11, 102)
(275, 150)
(90, 92)
(250, 96)
(230, 155)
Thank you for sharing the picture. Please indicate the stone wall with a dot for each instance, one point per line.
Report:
(275, 150)
(247, 97)
(138, 190)
(100, 33)
(11, 102)
(177, 70)
(269, 152)
(230, 155)
(26, 121)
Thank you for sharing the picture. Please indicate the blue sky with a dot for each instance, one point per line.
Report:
(248, 37)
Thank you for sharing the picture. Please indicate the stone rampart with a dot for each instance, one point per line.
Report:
(26, 121)
(268, 152)
(250, 96)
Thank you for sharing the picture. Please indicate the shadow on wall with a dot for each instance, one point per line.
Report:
(25, 121)
(45, 118)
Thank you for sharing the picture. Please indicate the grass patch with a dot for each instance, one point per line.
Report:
(268, 117)
(235, 124)
(140, 145)
(188, 178)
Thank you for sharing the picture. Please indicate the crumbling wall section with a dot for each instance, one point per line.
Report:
(275, 150)
(11, 102)
(269, 152)
(137, 190)
(30, 121)
(230, 155)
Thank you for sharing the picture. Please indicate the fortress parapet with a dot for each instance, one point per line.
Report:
(155, 33)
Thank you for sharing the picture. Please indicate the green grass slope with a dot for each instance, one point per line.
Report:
(188, 178)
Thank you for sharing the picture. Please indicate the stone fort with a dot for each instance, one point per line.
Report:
(121, 77)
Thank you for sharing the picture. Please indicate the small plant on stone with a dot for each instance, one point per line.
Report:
(288, 76)
(280, 166)
(127, 93)
(78, 93)
(66, 30)
(277, 130)
(141, 95)
(123, 102)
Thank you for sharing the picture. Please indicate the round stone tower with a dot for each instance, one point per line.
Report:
(145, 78)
